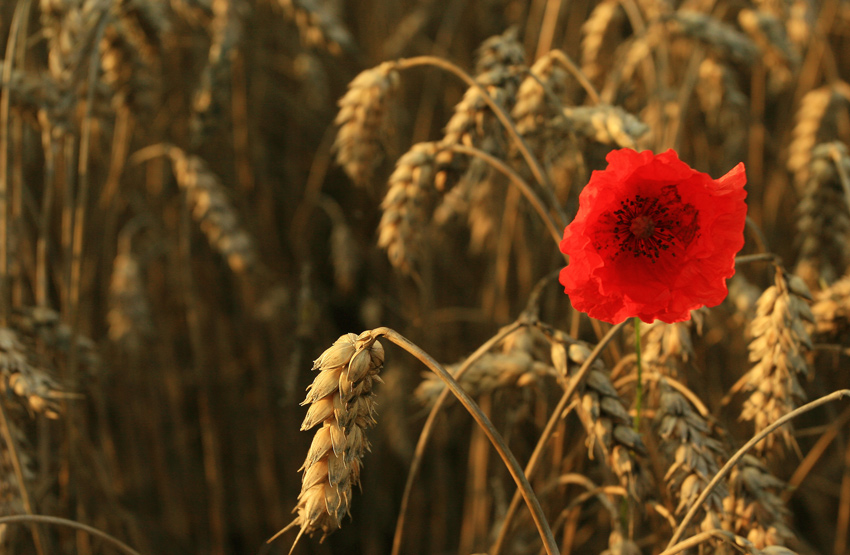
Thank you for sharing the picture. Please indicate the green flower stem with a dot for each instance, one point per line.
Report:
(639, 393)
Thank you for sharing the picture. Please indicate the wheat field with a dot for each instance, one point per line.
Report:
(209, 207)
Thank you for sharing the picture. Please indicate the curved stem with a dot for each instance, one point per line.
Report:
(527, 191)
(493, 435)
(743, 451)
(577, 73)
(758, 257)
(115, 542)
(535, 458)
(639, 387)
(425, 434)
(499, 112)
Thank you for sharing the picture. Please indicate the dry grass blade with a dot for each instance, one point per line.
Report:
(780, 341)
(341, 400)
(361, 119)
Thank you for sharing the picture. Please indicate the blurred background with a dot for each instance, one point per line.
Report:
(178, 244)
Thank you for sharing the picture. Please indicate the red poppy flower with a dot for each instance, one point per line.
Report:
(653, 238)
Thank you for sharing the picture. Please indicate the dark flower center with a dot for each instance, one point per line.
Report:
(646, 227)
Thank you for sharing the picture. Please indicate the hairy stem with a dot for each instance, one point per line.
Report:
(639, 386)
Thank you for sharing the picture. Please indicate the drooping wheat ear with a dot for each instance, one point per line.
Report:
(779, 55)
(831, 310)
(362, 119)
(715, 33)
(610, 125)
(605, 15)
(342, 401)
(23, 376)
(538, 116)
(130, 52)
(724, 106)
(319, 25)
(823, 218)
(813, 126)
(693, 453)
(209, 104)
(779, 343)
(665, 347)
(215, 214)
(515, 364)
(604, 416)
(407, 205)
(754, 508)
(501, 63)
(129, 312)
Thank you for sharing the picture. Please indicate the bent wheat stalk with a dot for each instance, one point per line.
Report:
(493, 435)
(834, 396)
(425, 434)
(535, 458)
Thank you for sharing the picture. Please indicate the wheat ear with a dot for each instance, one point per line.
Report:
(361, 119)
(823, 216)
(341, 400)
(779, 343)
